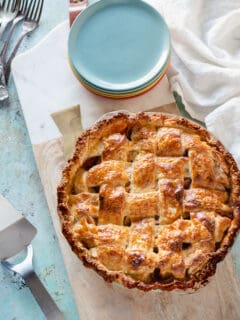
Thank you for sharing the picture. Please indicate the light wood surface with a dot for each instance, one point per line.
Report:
(98, 300)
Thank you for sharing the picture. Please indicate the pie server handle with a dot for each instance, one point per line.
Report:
(43, 298)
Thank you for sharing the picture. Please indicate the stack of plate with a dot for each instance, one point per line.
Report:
(119, 48)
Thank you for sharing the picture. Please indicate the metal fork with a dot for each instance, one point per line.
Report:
(8, 11)
(23, 5)
(45, 301)
(31, 21)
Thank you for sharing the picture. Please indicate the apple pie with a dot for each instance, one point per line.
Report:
(151, 201)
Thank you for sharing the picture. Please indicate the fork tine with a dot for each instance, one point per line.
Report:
(4, 3)
(38, 11)
(15, 5)
(20, 5)
(8, 6)
(30, 10)
(27, 10)
(12, 5)
(25, 3)
(35, 10)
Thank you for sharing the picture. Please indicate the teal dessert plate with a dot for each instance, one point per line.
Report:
(162, 72)
(119, 45)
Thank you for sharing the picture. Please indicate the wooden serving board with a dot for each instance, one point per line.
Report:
(96, 299)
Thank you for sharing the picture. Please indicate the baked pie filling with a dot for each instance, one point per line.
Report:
(150, 201)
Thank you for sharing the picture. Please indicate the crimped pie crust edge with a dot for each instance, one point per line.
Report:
(201, 277)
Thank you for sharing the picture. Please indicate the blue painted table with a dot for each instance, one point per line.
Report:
(19, 182)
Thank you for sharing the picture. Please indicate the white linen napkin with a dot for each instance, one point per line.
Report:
(206, 53)
(205, 68)
(224, 123)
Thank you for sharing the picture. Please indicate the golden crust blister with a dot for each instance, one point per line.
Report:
(150, 201)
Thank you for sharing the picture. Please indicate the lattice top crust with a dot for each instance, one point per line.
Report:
(150, 200)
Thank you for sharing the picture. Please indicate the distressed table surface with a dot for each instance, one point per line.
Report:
(19, 182)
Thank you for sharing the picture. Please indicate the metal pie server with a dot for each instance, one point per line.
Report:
(16, 234)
